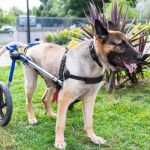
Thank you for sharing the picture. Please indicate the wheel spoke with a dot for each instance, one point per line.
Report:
(2, 100)
(1, 114)
(2, 105)
(1, 95)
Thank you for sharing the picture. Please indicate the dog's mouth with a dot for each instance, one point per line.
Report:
(122, 63)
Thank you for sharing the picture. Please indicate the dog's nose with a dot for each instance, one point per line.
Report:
(139, 57)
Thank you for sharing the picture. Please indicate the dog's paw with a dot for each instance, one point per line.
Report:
(52, 114)
(97, 140)
(60, 144)
(32, 121)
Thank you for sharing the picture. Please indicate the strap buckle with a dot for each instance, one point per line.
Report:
(91, 46)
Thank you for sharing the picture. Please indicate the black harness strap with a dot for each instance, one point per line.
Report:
(93, 54)
(64, 75)
(62, 66)
(87, 80)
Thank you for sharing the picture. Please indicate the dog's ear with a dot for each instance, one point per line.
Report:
(100, 30)
(112, 26)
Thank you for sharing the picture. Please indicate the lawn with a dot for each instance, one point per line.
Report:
(122, 118)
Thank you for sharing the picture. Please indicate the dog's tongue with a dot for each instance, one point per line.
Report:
(129, 67)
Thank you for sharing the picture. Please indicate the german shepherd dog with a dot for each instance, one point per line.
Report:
(112, 48)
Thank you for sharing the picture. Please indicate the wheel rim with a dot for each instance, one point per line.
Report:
(3, 106)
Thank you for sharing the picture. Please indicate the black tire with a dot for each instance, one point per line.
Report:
(6, 106)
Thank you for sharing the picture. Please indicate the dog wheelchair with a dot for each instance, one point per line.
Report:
(6, 106)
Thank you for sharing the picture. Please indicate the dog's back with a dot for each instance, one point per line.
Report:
(47, 56)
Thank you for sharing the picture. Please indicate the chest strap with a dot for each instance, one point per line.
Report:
(87, 80)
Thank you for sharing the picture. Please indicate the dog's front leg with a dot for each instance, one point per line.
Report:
(63, 102)
(88, 106)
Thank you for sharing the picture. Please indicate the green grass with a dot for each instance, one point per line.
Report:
(122, 118)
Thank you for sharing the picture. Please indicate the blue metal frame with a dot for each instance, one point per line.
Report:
(11, 72)
(13, 48)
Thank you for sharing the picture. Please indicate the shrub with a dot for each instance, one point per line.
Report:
(75, 32)
(63, 36)
(57, 38)
(48, 37)
(73, 43)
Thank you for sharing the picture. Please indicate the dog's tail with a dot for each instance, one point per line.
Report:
(18, 44)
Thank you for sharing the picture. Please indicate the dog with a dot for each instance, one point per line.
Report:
(112, 48)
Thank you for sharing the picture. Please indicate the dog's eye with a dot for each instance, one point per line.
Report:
(122, 44)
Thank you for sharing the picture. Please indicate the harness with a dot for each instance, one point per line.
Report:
(64, 73)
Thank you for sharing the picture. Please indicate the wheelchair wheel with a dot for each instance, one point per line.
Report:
(5, 104)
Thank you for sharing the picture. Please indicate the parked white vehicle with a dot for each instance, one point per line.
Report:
(7, 28)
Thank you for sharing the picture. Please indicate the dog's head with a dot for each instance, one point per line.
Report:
(114, 48)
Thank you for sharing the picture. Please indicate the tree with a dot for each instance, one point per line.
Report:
(16, 11)
(34, 11)
(132, 3)
(132, 12)
(44, 8)
(10, 18)
(2, 18)
(63, 8)
(12, 14)
(74, 8)
(146, 12)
